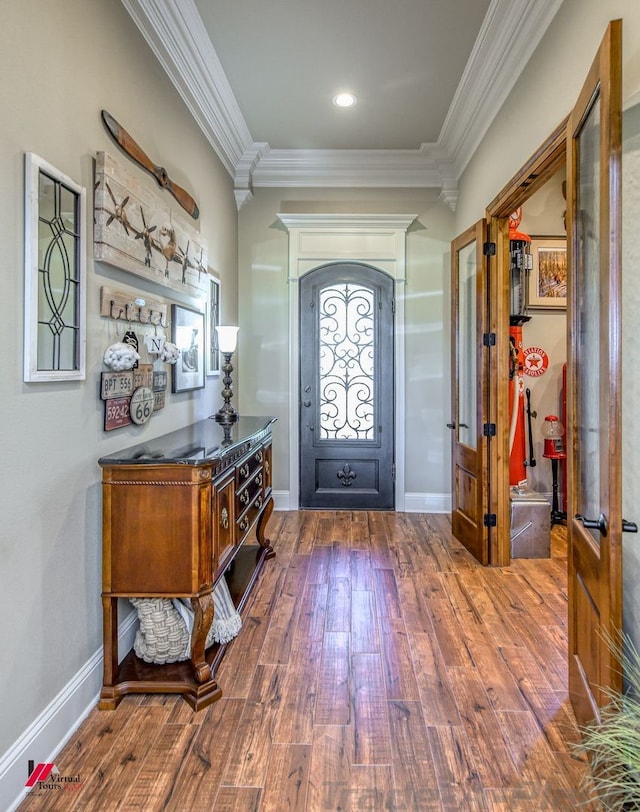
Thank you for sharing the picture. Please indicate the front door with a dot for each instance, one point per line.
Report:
(346, 388)
(594, 441)
(468, 393)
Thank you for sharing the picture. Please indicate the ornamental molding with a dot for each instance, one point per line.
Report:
(507, 39)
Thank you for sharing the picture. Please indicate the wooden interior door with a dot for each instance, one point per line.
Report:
(468, 392)
(594, 441)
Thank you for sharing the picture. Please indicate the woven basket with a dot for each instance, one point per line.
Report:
(164, 635)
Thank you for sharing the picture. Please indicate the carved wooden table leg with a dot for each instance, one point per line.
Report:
(262, 524)
(108, 696)
(203, 610)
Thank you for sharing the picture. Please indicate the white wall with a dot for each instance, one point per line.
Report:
(60, 63)
(264, 352)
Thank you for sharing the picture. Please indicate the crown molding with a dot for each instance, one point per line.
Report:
(176, 34)
(347, 222)
(510, 33)
(508, 37)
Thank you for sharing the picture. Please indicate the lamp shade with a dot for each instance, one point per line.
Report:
(227, 338)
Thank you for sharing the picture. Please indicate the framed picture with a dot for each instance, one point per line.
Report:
(213, 320)
(188, 333)
(54, 274)
(547, 289)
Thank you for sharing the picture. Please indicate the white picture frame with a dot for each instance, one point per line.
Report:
(54, 274)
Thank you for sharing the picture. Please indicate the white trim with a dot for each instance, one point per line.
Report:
(413, 502)
(427, 503)
(508, 37)
(281, 500)
(378, 240)
(53, 728)
(177, 36)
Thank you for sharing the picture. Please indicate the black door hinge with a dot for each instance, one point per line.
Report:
(393, 472)
(489, 339)
(489, 520)
(489, 429)
(489, 249)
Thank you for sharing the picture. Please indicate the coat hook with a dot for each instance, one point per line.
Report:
(119, 316)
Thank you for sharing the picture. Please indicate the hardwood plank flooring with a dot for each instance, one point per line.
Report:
(379, 668)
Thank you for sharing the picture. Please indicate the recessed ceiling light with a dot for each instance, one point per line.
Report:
(344, 100)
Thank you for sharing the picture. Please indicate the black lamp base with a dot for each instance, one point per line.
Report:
(226, 416)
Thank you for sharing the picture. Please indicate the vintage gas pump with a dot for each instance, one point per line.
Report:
(520, 264)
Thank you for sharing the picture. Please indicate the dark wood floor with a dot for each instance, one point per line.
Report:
(379, 668)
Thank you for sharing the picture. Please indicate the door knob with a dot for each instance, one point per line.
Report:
(594, 524)
(629, 527)
(307, 403)
(451, 425)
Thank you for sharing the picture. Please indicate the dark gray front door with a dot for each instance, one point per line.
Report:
(346, 388)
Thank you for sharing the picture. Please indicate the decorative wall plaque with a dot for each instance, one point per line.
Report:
(136, 231)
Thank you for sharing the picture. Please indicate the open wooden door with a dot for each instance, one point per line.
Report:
(594, 441)
(468, 393)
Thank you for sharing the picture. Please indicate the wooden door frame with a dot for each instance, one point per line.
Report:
(543, 164)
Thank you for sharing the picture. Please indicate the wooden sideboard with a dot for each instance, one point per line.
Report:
(178, 513)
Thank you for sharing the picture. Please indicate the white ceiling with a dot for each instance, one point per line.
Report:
(259, 77)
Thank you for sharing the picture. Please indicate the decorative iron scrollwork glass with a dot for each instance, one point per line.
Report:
(347, 362)
(54, 274)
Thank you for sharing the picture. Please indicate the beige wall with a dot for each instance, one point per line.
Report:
(60, 63)
(264, 351)
(543, 95)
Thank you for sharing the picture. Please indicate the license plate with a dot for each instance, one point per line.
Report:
(143, 376)
(116, 384)
(116, 413)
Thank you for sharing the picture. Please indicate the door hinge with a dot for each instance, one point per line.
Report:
(393, 307)
(489, 429)
(489, 249)
(393, 472)
(489, 339)
(489, 520)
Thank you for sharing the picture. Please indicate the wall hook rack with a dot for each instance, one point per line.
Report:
(121, 306)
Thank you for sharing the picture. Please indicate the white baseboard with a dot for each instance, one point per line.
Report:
(48, 734)
(413, 502)
(281, 500)
(427, 503)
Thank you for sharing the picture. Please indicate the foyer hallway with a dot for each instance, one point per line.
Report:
(379, 668)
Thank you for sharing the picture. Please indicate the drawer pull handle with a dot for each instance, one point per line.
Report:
(259, 479)
(259, 502)
(244, 497)
(244, 524)
(244, 471)
(267, 467)
(259, 456)
(224, 518)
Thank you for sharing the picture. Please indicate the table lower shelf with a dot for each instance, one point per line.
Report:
(137, 676)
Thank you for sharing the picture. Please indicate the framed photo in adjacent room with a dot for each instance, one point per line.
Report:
(188, 333)
(547, 289)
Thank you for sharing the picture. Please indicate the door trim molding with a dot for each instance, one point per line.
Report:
(378, 240)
